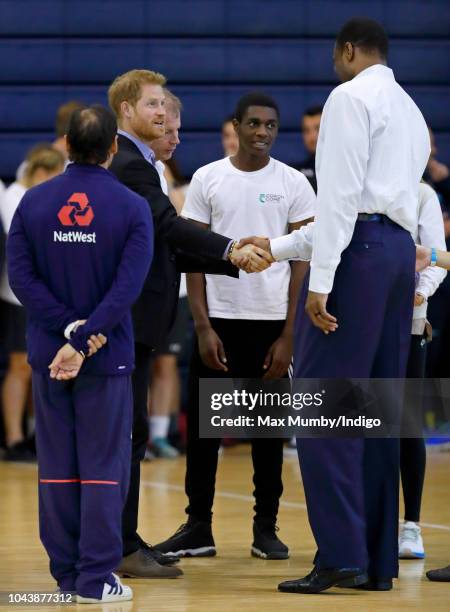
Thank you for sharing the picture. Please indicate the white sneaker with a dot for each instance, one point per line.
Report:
(116, 592)
(410, 543)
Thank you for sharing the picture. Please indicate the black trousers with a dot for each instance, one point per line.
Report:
(412, 450)
(246, 343)
(140, 383)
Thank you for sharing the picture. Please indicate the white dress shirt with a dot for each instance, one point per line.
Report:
(160, 168)
(429, 232)
(372, 150)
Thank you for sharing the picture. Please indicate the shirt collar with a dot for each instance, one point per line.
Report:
(379, 69)
(145, 150)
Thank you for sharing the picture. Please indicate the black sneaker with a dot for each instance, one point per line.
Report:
(266, 543)
(192, 539)
(20, 453)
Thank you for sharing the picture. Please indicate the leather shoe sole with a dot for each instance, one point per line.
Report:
(369, 585)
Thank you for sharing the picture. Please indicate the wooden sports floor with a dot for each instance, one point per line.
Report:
(233, 580)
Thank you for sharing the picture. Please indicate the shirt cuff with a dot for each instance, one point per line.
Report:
(227, 250)
(69, 329)
(79, 342)
(283, 247)
(321, 280)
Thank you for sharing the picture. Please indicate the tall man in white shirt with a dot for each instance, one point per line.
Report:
(245, 327)
(373, 148)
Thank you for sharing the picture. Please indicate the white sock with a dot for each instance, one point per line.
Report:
(159, 426)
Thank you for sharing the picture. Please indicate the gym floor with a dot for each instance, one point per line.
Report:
(233, 579)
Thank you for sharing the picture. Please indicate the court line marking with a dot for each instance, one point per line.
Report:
(230, 495)
(153, 484)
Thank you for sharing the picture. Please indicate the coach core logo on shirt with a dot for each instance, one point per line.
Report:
(79, 212)
(270, 197)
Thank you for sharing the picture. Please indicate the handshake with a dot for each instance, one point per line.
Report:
(251, 254)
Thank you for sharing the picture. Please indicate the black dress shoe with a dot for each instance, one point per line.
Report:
(439, 575)
(160, 557)
(141, 564)
(372, 584)
(321, 579)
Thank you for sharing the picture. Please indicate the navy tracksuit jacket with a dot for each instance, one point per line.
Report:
(80, 247)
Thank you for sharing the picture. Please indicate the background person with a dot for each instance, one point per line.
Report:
(43, 162)
(63, 115)
(230, 140)
(164, 397)
(310, 133)
(430, 231)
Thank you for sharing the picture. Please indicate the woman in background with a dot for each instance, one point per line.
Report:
(43, 162)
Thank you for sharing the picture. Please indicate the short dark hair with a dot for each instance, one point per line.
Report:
(255, 98)
(63, 115)
(312, 111)
(365, 33)
(90, 135)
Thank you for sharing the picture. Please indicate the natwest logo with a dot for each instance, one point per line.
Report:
(74, 236)
(77, 211)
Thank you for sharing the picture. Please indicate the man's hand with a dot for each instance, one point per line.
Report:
(95, 342)
(260, 241)
(317, 312)
(419, 299)
(251, 258)
(66, 363)
(278, 357)
(423, 257)
(211, 349)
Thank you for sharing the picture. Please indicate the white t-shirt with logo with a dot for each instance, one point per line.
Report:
(240, 204)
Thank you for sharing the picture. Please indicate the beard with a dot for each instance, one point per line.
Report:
(145, 130)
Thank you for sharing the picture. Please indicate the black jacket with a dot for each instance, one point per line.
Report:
(180, 246)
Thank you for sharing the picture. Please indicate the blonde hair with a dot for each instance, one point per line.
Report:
(44, 156)
(128, 87)
(173, 103)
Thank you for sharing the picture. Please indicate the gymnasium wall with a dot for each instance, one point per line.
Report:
(212, 51)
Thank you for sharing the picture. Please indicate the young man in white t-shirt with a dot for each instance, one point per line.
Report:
(244, 327)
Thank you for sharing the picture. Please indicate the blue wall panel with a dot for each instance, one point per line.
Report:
(205, 61)
(263, 18)
(212, 51)
(25, 108)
